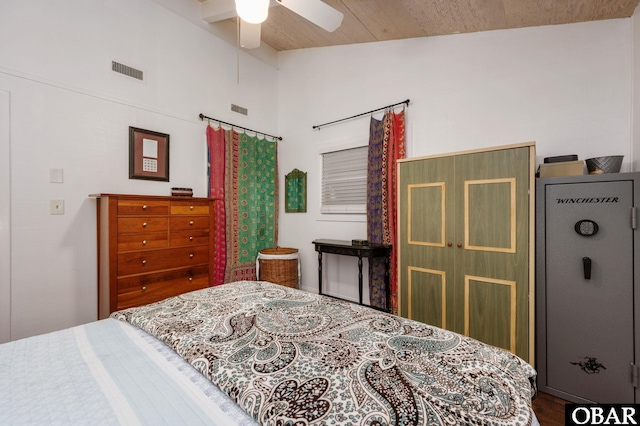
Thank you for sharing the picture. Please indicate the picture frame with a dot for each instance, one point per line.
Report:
(295, 196)
(148, 155)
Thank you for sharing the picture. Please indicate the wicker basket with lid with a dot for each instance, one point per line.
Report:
(279, 265)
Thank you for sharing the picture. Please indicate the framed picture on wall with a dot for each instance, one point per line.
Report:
(295, 196)
(148, 155)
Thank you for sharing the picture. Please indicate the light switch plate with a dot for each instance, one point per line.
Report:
(57, 207)
(56, 176)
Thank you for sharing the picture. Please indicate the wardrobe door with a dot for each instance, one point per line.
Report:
(492, 248)
(426, 262)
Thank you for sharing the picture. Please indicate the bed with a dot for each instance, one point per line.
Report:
(254, 352)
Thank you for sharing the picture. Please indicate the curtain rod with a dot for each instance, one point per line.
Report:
(364, 113)
(202, 117)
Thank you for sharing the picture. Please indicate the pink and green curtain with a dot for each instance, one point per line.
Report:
(243, 177)
(386, 146)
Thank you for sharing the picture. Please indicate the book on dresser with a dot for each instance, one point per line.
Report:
(151, 248)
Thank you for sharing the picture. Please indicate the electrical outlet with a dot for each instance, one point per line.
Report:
(57, 207)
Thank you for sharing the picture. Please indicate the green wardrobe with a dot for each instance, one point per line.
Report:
(466, 244)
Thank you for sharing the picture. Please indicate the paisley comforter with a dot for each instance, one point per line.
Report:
(288, 357)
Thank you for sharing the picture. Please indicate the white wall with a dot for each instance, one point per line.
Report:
(566, 87)
(69, 111)
(5, 217)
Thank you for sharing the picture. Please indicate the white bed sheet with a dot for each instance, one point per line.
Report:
(106, 373)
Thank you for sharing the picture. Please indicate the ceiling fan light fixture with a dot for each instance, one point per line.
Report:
(253, 11)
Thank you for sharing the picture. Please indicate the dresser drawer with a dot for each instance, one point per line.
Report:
(189, 207)
(128, 225)
(142, 207)
(184, 275)
(151, 288)
(142, 241)
(189, 238)
(141, 262)
(189, 222)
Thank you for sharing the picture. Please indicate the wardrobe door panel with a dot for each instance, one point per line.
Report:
(426, 214)
(425, 261)
(489, 310)
(427, 296)
(490, 215)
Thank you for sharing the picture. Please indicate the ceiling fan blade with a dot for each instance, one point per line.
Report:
(316, 11)
(249, 35)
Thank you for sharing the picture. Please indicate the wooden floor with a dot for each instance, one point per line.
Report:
(549, 409)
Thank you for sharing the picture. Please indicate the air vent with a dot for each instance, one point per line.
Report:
(239, 109)
(126, 70)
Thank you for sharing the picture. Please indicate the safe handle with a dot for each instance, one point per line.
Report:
(586, 266)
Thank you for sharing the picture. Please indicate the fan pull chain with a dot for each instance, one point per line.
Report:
(238, 49)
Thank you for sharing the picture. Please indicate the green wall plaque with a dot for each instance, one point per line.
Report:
(295, 195)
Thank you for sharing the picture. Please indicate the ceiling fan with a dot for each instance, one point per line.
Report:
(253, 12)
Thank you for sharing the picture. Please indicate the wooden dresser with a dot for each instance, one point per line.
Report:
(151, 248)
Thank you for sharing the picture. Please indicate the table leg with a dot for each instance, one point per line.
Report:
(319, 272)
(360, 278)
(387, 285)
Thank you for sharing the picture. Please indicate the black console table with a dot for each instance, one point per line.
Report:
(348, 249)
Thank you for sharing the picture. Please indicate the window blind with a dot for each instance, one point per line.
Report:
(344, 181)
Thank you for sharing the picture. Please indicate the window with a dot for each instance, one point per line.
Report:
(344, 181)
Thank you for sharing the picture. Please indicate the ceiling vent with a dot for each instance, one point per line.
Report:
(127, 70)
(240, 110)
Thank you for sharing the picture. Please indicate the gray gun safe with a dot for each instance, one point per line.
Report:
(587, 286)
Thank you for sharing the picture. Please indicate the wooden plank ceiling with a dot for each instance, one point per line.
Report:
(378, 20)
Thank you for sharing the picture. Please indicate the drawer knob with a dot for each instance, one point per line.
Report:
(190, 222)
(144, 289)
(190, 207)
(449, 244)
(459, 245)
(144, 224)
(190, 238)
(144, 261)
(190, 278)
(144, 207)
(144, 242)
(191, 256)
